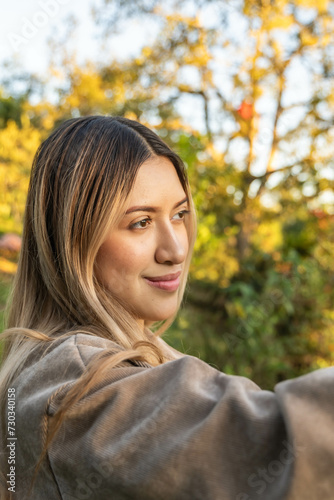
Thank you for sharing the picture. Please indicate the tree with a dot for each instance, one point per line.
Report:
(259, 155)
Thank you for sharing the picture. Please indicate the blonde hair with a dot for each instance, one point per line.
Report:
(80, 180)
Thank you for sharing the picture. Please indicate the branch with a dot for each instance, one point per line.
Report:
(268, 173)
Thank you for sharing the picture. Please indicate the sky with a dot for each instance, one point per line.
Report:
(26, 26)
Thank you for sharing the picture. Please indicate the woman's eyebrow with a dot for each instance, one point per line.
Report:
(146, 208)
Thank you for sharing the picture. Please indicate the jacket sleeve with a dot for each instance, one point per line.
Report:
(184, 430)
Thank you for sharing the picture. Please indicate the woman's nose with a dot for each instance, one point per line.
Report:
(172, 245)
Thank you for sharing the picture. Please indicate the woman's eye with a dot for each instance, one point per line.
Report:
(141, 224)
(144, 223)
(181, 215)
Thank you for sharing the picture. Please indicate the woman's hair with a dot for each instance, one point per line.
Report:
(80, 180)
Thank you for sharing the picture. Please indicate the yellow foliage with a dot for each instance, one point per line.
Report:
(131, 115)
(326, 39)
(278, 48)
(308, 39)
(320, 5)
(268, 236)
(147, 51)
(199, 56)
(216, 263)
(279, 21)
(7, 267)
(88, 91)
(204, 235)
(214, 153)
(176, 18)
(321, 362)
(17, 149)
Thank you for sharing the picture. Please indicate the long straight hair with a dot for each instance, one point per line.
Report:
(80, 180)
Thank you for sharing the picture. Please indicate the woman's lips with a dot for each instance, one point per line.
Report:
(169, 282)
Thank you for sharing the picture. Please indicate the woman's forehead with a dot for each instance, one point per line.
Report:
(157, 181)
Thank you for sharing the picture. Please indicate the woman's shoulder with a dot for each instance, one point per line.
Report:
(61, 362)
(73, 351)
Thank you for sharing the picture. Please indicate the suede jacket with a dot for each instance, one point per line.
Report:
(179, 431)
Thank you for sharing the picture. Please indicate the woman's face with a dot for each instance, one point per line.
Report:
(142, 258)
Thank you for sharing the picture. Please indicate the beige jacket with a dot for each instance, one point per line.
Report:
(179, 431)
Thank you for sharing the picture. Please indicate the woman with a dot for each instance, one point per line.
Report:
(94, 404)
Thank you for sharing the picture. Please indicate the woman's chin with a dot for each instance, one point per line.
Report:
(155, 318)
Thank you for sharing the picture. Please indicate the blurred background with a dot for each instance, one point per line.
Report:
(243, 90)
